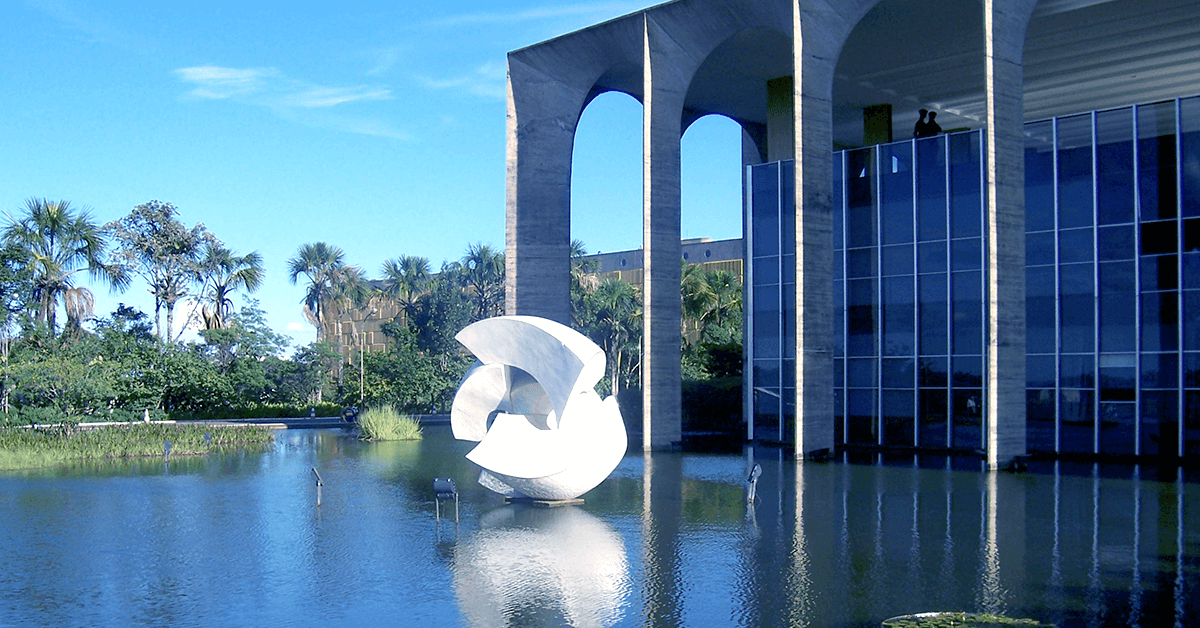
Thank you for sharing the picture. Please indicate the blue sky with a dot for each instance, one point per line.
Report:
(378, 128)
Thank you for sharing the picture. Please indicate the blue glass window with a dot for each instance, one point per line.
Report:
(1156, 161)
(1039, 420)
(931, 188)
(897, 191)
(1160, 321)
(1160, 370)
(860, 317)
(899, 324)
(1039, 176)
(860, 198)
(1118, 307)
(1075, 172)
(1115, 243)
(1040, 371)
(898, 259)
(1078, 308)
(933, 257)
(1160, 423)
(765, 221)
(966, 254)
(1077, 421)
(1189, 116)
(1041, 320)
(1078, 371)
(933, 314)
(898, 419)
(1075, 245)
(966, 198)
(1160, 272)
(1114, 166)
(968, 313)
(934, 402)
(934, 372)
(1039, 248)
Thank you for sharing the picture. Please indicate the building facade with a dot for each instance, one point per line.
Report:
(806, 77)
(1112, 267)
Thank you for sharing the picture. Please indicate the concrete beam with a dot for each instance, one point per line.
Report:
(665, 76)
(1004, 31)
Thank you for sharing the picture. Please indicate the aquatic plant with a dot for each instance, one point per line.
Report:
(28, 448)
(962, 620)
(385, 423)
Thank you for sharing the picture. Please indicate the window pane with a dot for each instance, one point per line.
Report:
(860, 263)
(1075, 171)
(1118, 307)
(860, 197)
(897, 184)
(765, 221)
(968, 313)
(1115, 243)
(933, 314)
(1160, 423)
(1078, 371)
(1039, 371)
(933, 417)
(1040, 316)
(933, 371)
(1039, 176)
(1039, 248)
(860, 317)
(839, 202)
(1160, 237)
(933, 257)
(862, 417)
(1078, 421)
(1160, 272)
(1160, 321)
(862, 373)
(1191, 370)
(899, 373)
(1078, 308)
(898, 419)
(1189, 114)
(966, 254)
(1191, 320)
(898, 259)
(968, 418)
(931, 188)
(1118, 424)
(1075, 245)
(1039, 420)
(968, 371)
(966, 199)
(1160, 370)
(1118, 383)
(899, 325)
(1156, 161)
(1114, 165)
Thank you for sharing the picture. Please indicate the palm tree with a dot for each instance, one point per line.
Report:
(60, 243)
(329, 280)
(615, 311)
(225, 273)
(406, 278)
(482, 272)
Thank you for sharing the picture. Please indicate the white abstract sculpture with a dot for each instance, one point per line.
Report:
(529, 401)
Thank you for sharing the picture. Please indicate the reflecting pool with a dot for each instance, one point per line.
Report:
(668, 540)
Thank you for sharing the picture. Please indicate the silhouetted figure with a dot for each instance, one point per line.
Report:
(932, 128)
(927, 128)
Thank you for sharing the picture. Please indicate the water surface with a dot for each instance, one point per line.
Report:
(238, 540)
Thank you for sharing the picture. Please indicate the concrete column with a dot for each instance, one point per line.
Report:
(1004, 31)
(542, 116)
(814, 234)
(664, 89)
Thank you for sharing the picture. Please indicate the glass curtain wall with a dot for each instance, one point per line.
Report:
(1112, 287)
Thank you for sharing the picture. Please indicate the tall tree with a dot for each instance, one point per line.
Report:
(405, 278)
(330, 281)
(614, 321)
(225, 273)
(157, 246)
(58, 244)
(482, 276)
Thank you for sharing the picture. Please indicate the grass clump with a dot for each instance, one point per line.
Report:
(26, 448)
(962, 620)
(386, 423)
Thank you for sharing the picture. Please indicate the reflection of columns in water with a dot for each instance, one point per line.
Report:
(662, 513)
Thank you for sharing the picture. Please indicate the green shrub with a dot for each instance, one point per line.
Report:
(385, 423)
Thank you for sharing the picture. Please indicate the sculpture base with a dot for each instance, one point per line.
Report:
(543, 503)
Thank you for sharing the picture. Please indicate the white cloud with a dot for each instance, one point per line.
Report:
(487, 80)
(270, 88)
(289, 98)
(610, 9)
(294, 326)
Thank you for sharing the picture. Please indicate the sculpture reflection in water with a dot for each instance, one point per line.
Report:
(530, 402)
(537, 566)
